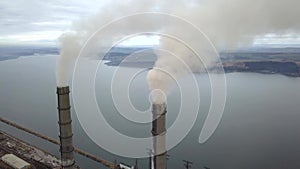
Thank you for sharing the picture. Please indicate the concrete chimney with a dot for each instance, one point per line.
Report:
(65, 128)
(159, 130)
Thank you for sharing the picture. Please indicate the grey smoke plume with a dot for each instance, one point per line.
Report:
(175, 61)
(72, 42)
(227, 23)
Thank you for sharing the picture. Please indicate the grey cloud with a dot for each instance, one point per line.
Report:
(22, 16)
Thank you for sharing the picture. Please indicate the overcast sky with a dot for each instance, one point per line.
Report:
(42, 22)
(29, 21)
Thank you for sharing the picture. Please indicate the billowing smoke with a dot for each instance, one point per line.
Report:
(72, 42)
(69, 49)
(175, 61)
(227, 23)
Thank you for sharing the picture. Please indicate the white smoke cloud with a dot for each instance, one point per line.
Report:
(227, 23)
(83, 29)
(174, 61)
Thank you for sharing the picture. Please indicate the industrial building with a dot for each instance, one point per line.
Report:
(124, 166)
(15, 162)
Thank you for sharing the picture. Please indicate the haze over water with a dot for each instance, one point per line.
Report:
(259, 129)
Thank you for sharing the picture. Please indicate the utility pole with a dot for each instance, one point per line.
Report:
(136, 164)
(150, 152)
(167, 157)
(188, 164)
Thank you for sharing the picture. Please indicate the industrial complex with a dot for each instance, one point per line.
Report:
(17, 154)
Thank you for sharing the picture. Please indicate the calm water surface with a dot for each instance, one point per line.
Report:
(259, 130)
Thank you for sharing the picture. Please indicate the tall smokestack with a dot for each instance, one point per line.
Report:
(159, 135)
(65, 128)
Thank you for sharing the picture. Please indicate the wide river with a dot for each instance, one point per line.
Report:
(260, 128)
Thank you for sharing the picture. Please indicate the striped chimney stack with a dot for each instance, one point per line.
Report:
(65, 128)
(159, 135)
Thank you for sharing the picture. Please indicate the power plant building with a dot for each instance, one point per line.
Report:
(15, 162)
